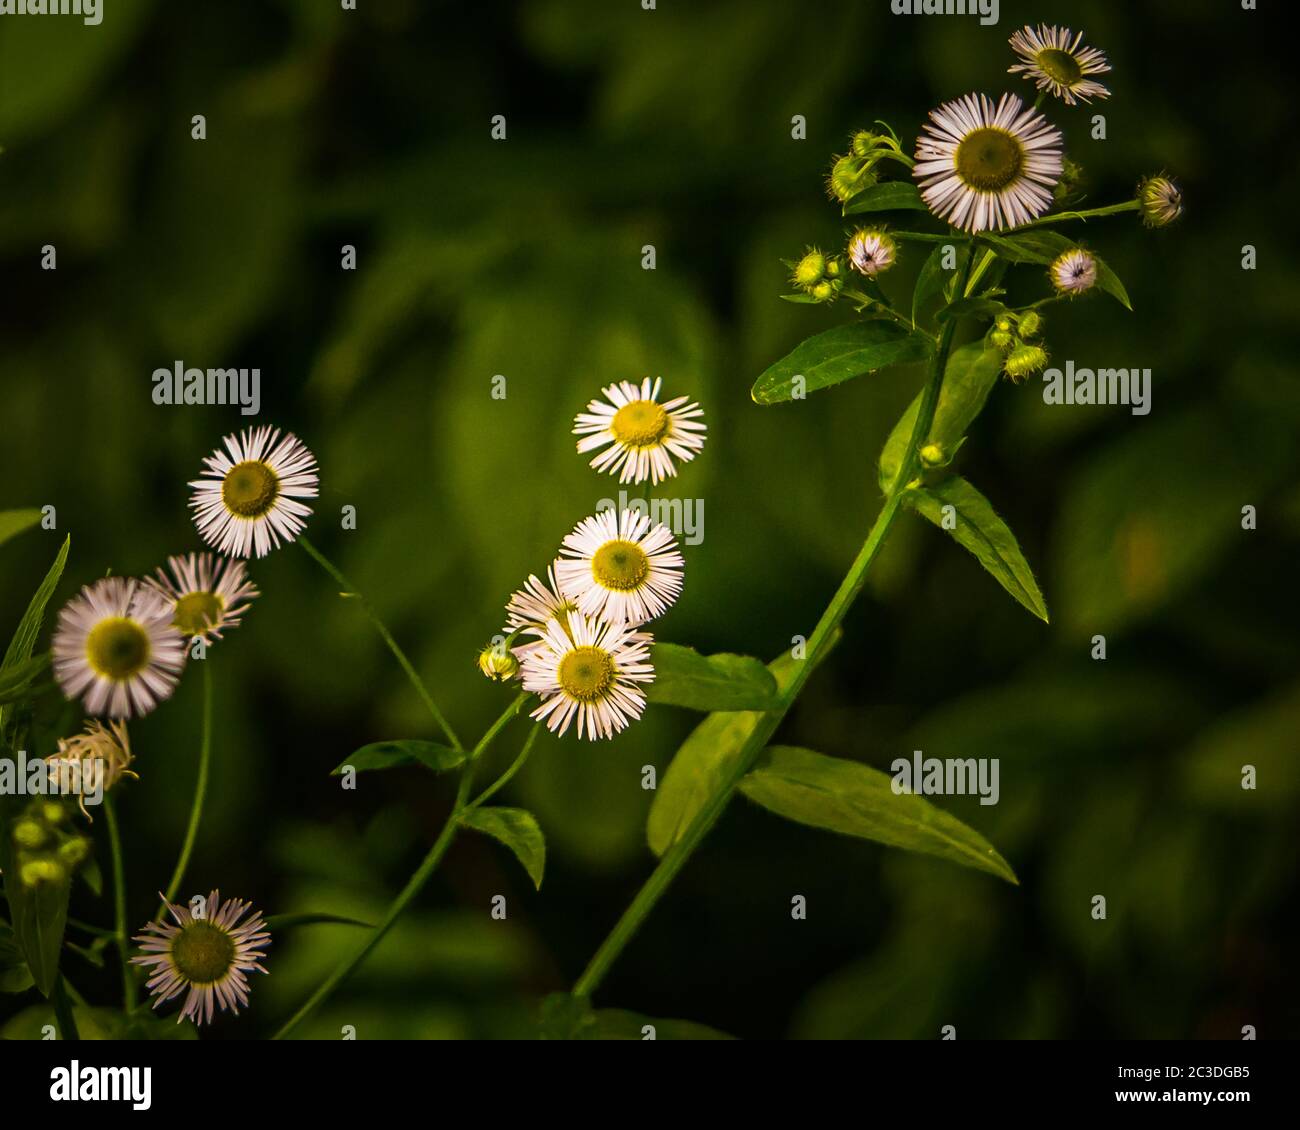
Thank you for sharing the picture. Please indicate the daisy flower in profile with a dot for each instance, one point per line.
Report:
(207, 594)
(1074, 271)
(620, 567)
(871, 251)
(640, 436)
(983, 167)
(1161, 200)
(1056, 60)
(209, 955)
(589, 672)
(245, 500)
(533, 607)
(92, 761)
(115, 648)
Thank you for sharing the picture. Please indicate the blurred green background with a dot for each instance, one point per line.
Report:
(523, 258)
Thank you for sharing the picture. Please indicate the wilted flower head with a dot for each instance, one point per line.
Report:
(101, 754)
(1056, 60)
(1161, 200)
(208, 952)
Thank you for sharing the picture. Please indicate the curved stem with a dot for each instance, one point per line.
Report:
(349, 589)
(501, 782)
(200, 794)
(413, 885)
(676, 856)
(119, 905)
(1087, 214)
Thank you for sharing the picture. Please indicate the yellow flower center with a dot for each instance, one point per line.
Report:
(989, 159)
(196, 612)
(118, 648)
(202, 953)
(586, 673)
(250, 489)
(1059, 66)
(642, 423)
(620, 565)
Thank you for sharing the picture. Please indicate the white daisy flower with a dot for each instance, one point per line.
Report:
(1074, 271)
(207, 594)
(983, 167)
(640, 435)
(534, 606)
(590, 672)
(620, 567)
(115, 648)
(871, 251)
(210, 956)
(245, 501)
(1055, 61)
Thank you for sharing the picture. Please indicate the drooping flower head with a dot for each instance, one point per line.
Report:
(871, 251)
(985, 167)
(533, 607)
(1074, 271)
(620, 567)
(209, 955)
(245, 502)
(589, 672)
(115, 648)
(641, 437)
(1055, 59)
(207, 594)
(101, 755)
(1161, 200)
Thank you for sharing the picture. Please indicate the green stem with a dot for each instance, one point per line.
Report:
(413, 885)
(119, 905)
(200, 794)
(929, 237)
(501, 782)
(349, 589)
(676, 856)
(63, 1011)
(1087, 214)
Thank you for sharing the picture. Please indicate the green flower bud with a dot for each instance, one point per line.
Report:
(810, 270)
(52, 812)
(1031, 324)
(1002, 339)
(29, 834)
(498, 663)
(833, 268)
(864, 141)
(825, 291)
(73, 852)
(1161, 200)
(1071, 178)
(1025, 360)
(847, 178)
(37, 871)
(932, 455)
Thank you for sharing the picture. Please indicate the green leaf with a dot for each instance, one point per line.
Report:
(15, 977)
(856, 800)
(518, 830)
(971, 373)
(801, 299)
(566, 1017)
(1044, 247)
(986, 535)
(888, 196)
(705, 760)
(839, 355)
(684, 677)
(16, 681)
(29, 627)
(930, 282)
(391, 755)
(98, 1024)
(14, 522)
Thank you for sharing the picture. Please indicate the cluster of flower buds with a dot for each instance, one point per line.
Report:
(47, 846)
(1016, 336)
(856, 169)
(819, 276)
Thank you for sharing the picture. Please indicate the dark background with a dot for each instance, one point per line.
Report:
(522, 258)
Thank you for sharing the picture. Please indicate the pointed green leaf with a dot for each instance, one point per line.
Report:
(986, 535)
(14, 522)
(889, 196)
(839, 355)
(518, 830)
(391, 755)
(971, 373)
(29, 627)
(856, 800)
(1044, 247)
(930, 282)
(684, 677)
(15, 681)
